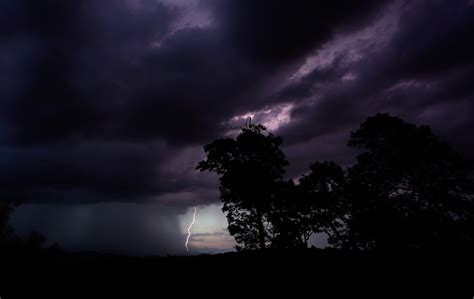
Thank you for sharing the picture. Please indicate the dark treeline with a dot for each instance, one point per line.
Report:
(407, 189)
(29, 248)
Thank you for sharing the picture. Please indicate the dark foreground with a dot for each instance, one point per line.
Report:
(61, 274)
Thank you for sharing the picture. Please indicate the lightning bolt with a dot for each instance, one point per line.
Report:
(189, 229)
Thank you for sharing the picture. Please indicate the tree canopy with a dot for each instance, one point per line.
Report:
(407, 189)
(250, 168)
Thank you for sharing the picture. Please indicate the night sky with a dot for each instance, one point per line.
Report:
(105, 105)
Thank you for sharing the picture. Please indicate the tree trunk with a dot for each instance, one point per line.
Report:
(305, 241)
(261, 229)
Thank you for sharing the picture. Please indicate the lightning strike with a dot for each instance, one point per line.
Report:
(189, 229)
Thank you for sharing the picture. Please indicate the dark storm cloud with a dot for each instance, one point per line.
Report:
(102, 171)
(71, 57)
(106, 70)
(434, 36)
(60, 171)
(424, 74)
(68, 80)
(100, 96)
(277, 31)
(186, 87)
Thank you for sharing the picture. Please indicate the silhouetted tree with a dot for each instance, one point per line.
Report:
(250, 168)
(315, 205)
(286, 217)
(407, 190)
(6, 208)
(13, 247)
(322, 200)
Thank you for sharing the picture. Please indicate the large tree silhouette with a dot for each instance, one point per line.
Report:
(407, 190)
(315, 205)
(289, 228)
(250, 168)
(323, 205)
